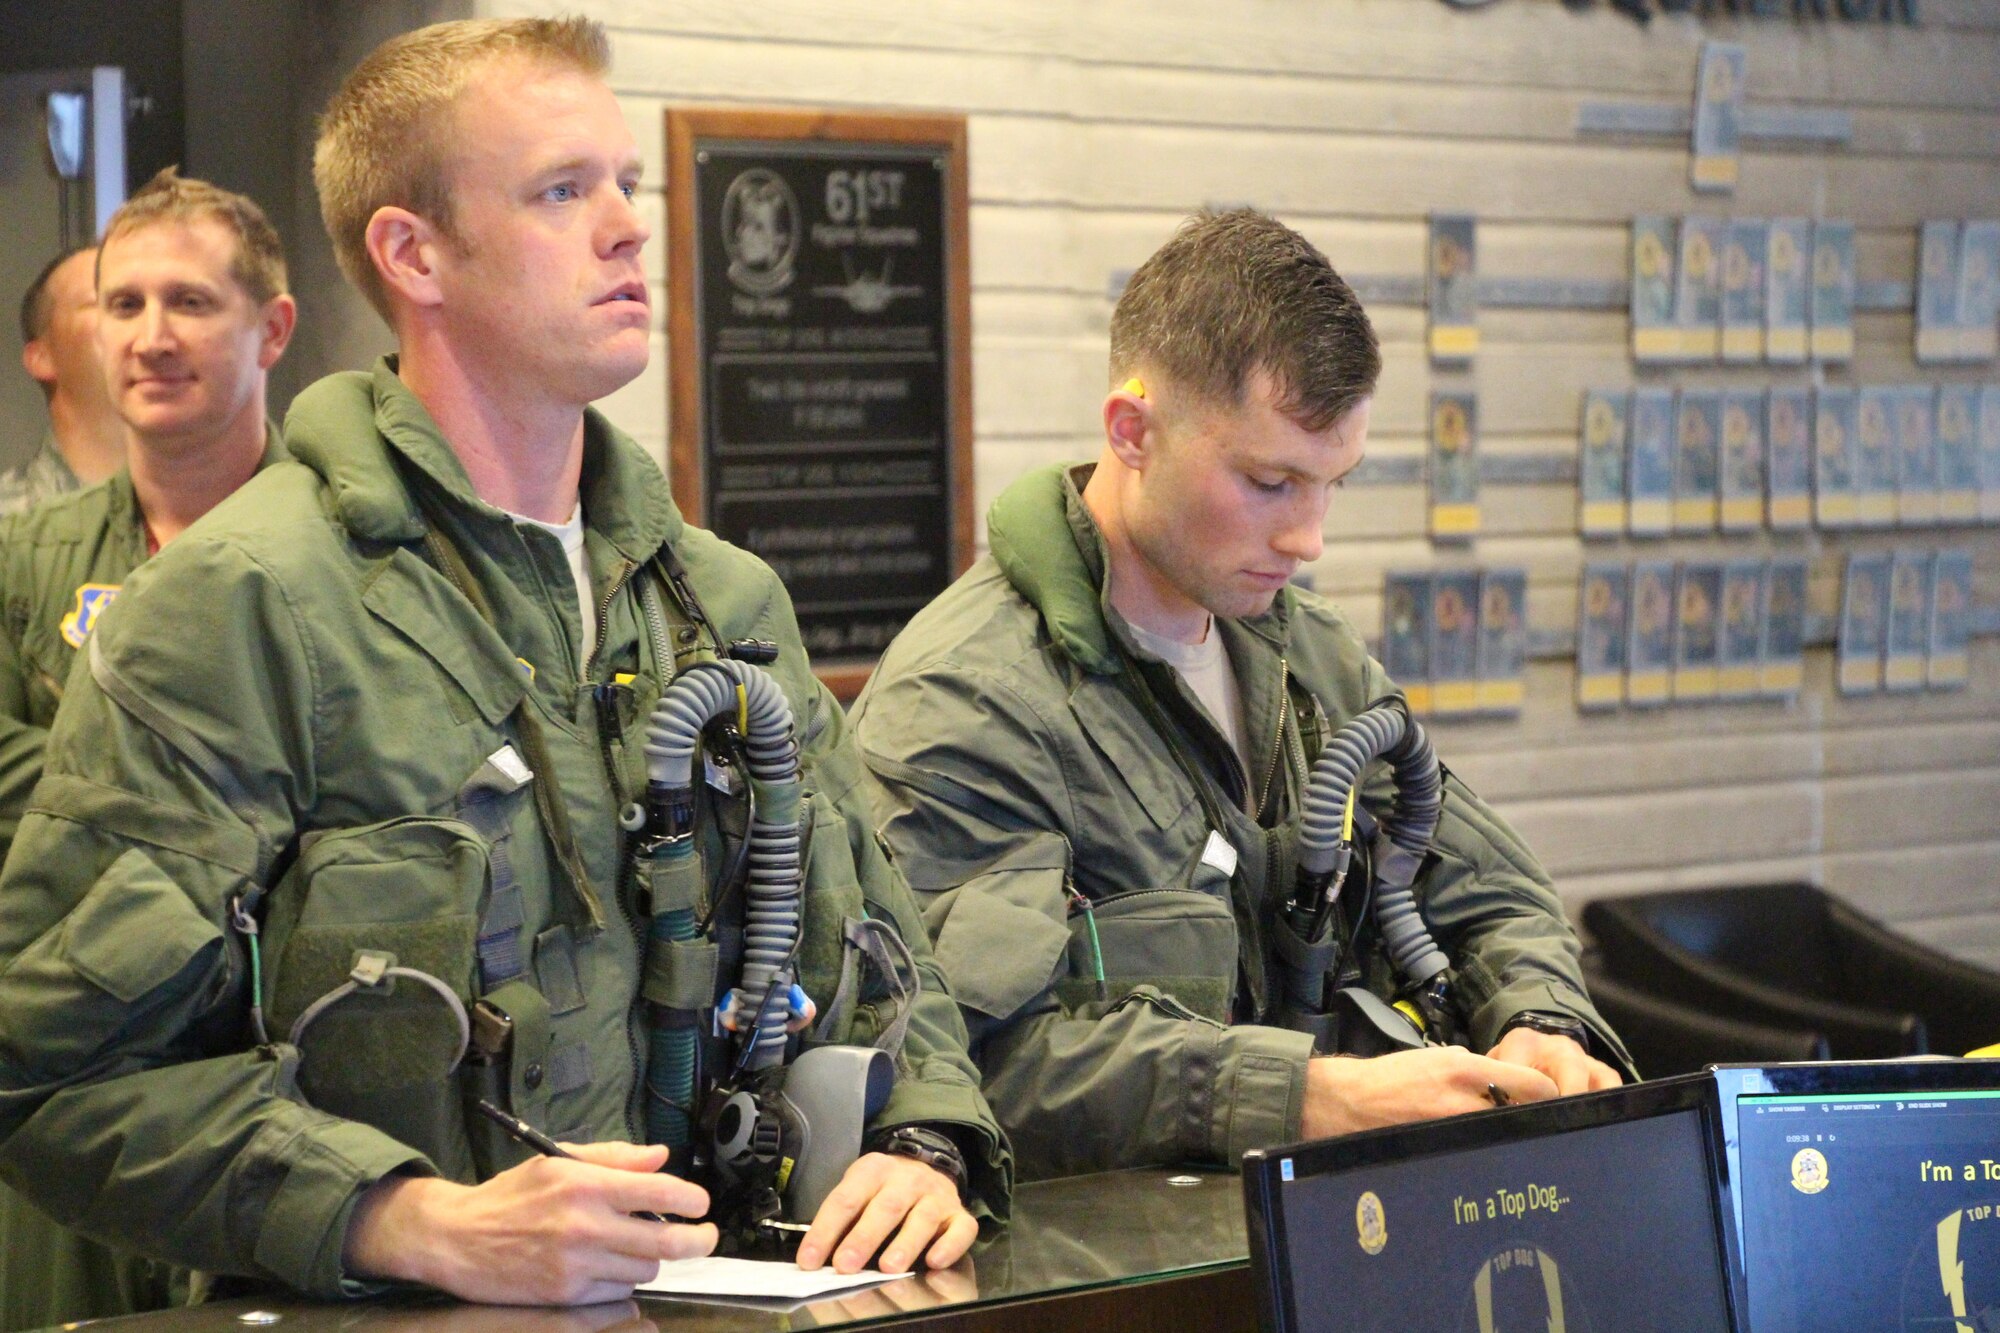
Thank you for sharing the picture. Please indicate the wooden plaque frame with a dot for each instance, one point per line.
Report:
(687, 128)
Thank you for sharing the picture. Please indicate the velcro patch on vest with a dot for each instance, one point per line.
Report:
(569, 1068)
(91, 599)
(555, 968)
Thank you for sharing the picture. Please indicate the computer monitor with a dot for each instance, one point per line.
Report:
(1867, 1194)
(1603, 1211)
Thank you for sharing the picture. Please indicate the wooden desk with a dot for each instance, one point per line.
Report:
(1127, 1252)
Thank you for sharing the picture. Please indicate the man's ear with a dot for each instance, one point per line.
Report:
(39, 363)
(404, 248)
(1128, 421)
(279, 318)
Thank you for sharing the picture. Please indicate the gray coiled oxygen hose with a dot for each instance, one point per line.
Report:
(773, 894)
(1386, 732)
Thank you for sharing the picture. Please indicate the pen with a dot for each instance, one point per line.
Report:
(1494, 1093)
(522, 1132)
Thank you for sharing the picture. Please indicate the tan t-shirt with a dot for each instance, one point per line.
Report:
(1206, 670)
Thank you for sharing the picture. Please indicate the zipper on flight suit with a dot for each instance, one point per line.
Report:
(1278, 741)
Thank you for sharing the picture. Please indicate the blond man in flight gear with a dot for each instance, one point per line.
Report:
(397, 723)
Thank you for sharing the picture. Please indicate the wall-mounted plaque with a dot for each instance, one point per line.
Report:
(1741, 475)
(1787, 252)
(1744, 252)
(1406, 636)
(1454, 288)
(1718, 109)
(821, 359)
(1649, 655)
(1979, 291)
(1656, 337)
(1697, 631)
(1951, 602)
(1907, 642)
(1601, 465)
(1784, 629)
(1454, 467)
(1958, 452)
(1832, 302)
(1788, 469)
(1600, 637)
(1937, 292)
(1836, 502)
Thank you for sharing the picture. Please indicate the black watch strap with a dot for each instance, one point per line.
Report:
(933, 1149)
(1556, 1025)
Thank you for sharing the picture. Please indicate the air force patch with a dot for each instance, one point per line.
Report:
(91, 599)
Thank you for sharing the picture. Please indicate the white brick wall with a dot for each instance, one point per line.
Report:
(1095, 126)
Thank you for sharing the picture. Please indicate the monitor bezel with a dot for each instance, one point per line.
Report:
(1831, 1078)
(1263, 1185)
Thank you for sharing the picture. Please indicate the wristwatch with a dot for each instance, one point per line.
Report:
(1556, 1025)
(923, 1145)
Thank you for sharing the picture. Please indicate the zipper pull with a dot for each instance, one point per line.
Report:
(1079, 903)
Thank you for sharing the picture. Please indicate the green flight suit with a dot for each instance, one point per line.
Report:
(61, 564)
(1027, 759)
(317, 738)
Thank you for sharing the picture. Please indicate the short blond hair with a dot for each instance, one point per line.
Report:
(381, 140)
(259, 262)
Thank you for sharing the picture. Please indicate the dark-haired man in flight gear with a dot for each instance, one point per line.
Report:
(85, 442)
(194, 313)
(383, 711)
(1088, 754)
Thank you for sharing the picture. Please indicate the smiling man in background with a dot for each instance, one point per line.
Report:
(192, 314)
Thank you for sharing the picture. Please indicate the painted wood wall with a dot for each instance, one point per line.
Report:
(1096, 126)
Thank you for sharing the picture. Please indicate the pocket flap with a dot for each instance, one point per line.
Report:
(1167, 933)
(1131, 750)
(136, 929)
(425, 609)
(1004, 932)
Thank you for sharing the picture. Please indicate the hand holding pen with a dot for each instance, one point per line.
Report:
(563, 1227)
(524, 1133)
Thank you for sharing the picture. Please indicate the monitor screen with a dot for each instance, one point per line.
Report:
(1875, 1210)
(1609, 1226)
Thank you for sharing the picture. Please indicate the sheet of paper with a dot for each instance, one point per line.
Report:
(763, 1279)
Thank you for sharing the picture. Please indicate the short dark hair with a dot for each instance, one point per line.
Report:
(35, 310)
(1237, 292)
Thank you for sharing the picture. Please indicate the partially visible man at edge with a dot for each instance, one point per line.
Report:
(85, 441)
(1125, 697)
(193, 312)
(462, 564)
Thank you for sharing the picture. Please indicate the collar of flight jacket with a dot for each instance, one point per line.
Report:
(1046, 542)
(349, 427)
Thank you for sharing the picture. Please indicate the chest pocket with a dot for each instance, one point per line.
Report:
(384, 1054)
(1130, 757)
(1181, 941)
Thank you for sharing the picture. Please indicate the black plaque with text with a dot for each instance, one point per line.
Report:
(824, 342)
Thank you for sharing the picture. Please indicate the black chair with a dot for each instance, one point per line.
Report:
(1666, 1037)
(1792, 956)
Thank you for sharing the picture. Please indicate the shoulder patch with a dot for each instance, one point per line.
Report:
(91, 599)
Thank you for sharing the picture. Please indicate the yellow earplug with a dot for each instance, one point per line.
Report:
(1134, 386)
